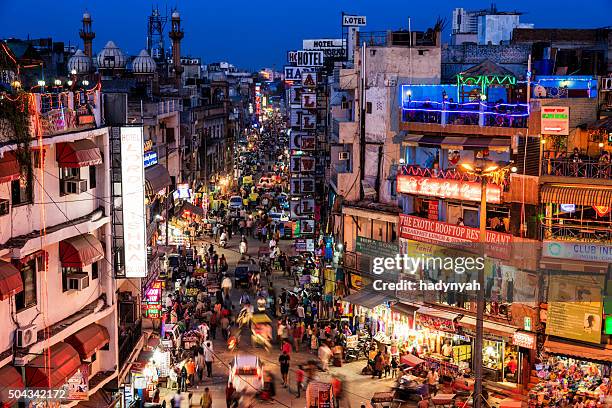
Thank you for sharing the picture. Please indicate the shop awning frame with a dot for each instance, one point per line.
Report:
(10, 379)
(10, 280)
(368, 298)
(603, 353)
(89, 340)
(497, 329)
(458, 142)
(80, 153)
(80, 251)
(157, 178)
(579, 195)
(64, 363)
(9, 167)
(404, 308)
(442, 314)
(191, 208)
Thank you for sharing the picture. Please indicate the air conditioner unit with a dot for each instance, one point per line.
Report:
(391, 82)
(606, 84)
(74, 186)
(4, 207)
(343, 155)
(78, 281)
(25, 336)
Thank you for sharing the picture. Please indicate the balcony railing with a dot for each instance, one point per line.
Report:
(128, 341)
(169, 106)
(471, 113)
(576, 230)
(66, 112)
(567, 167)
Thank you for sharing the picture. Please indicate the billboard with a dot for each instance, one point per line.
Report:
(296, 73)
(447, 188)
(133, 199)
(554, 120)
(332, 48)
(353, 21)
(309, 100)
(309, 58)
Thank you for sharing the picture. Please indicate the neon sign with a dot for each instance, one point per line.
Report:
(152, 300)
(445, 188)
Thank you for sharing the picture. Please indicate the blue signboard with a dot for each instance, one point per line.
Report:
(150, 158)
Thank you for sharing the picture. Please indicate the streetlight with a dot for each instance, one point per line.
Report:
(484, 169)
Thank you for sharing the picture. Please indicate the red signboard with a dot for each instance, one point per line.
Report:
(447, 188)
(523, 339)
(422, 229)
(432, 210)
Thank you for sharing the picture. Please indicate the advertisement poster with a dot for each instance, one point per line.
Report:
(575, 307)
(77, 386)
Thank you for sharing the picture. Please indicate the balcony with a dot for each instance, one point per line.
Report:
(169, 106)
(129, 338)
(66, 112)
(583, 169)
(564, 229)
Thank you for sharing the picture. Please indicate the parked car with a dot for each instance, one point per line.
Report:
(246, 373)
(235, 203)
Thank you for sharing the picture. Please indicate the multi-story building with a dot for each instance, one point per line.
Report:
(484, 27)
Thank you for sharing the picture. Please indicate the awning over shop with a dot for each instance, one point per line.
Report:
(10, 280)
(187, 207)
(497, 329)
(157, 178)
(80, 251)
(457, 142)
(593, 353)
(10, 379)
(9, 168)
(442, 314)
(367, 298)
(80, 153)
(579, 195)
(436, 319)
(89, 340)
(404, 308)
(63, 363)
(411, 360)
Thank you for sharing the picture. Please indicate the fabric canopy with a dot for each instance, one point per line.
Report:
(367, 298)
(9, 168)
(458, 142)
(157, 178)
(80, 153)
(10, 379)
(10, 280)
(404, 308)
(80, 251)
(89, 340)
(499, 329)
(64, 363)
(565, 194)
(193, 209)
(581, 351)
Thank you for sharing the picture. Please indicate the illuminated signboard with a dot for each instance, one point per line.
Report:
(150, 158)
(152, 300)
(555, 120)
(523, 339)
(423, 229)
(133, 198)
(257, 99)
(447, 188)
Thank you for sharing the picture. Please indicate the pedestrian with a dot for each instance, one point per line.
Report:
(272, 244)
(378, 365)
(432, 381)
(299, 379)
(286, 346)
(206, 399)
(229, 394)
(324, 354)
(183, 379)
(283, 359)
(225, 327)
(394, 366)
(264, 233)
(190, 367)
(200, 364)
(208, 358)
(387, 364)
(177, 399)
(249, 227)
(423, 403)
(243, 246)
(314, 342)
(213, 326)
(336, 384)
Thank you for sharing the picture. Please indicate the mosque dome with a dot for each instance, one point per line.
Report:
(111, 57)
(80, 63)
(143, 64)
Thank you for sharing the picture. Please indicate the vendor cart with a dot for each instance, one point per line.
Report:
(443, 400)
(385, 400)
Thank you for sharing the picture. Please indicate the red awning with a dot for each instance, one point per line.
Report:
(63, 363)
(9, 167)
(80, 251)
(10, 280)
(80, 153)
(89, 340)
(10, 379)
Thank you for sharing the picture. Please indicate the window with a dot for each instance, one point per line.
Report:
(368, 107)
(27, 298)
(94, 270)
(21, 190)
(68, 173)
(393, 188)
(92, 176)
(65, 273)
(422, 52)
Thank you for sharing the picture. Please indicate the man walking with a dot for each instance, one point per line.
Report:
(229, 394)
(299, 379)
(208, 358)
(283, 359)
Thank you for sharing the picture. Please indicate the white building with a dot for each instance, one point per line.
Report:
(484, 27)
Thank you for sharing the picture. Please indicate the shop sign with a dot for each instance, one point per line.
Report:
(351, 341)
(580, 251)
(432, 210)
(554, 120)
(296, 73)
(527, 323)
(434, 322)
(309, 80)
(133, 202)
(608, 326)
(309, 100)
(77, 386)
(304, 245)
(150, 158)
(447, 188)
(324, 399)
(523, 339)
(309, 58)
(422, 229)
(152, 300)
(356, 281)
(575, 307)
(332, 48)
(374, 248)
(353, 21)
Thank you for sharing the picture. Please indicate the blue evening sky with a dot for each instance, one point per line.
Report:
(255, 34)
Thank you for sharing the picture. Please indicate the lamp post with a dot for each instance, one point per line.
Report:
(483, 169)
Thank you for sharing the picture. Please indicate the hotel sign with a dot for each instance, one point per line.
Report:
(554, 120)
(353, 21)
(447, 188)
(423, 229)
(580, 251)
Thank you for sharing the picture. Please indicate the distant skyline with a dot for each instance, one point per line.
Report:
(253, 35)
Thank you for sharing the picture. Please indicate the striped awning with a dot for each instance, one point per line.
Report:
(579, 195)
(458, 142)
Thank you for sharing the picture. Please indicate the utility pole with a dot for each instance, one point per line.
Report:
(480, 300)
(362, 122)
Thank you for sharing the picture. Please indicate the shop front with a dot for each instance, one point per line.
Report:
(369, 311)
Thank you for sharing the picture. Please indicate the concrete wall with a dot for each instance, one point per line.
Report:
(458, 58)
(403, 62)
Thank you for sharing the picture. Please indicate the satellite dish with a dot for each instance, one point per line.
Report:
(539, 91)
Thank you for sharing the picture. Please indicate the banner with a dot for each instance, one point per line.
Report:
(447, 188)
(422, 229)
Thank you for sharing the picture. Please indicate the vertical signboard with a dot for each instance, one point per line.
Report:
(133, 198)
